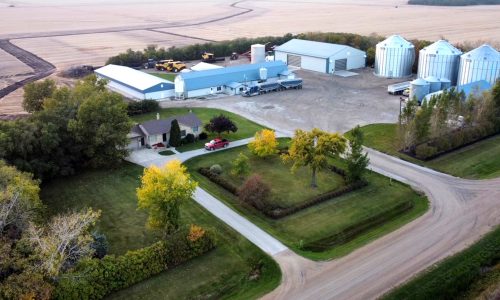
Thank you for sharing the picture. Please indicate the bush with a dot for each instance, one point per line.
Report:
(203, 136)
(216, 169)
(100, 245)
(189, 138)
(94, 278)
(255, 192)
(228, 186)
(240, 166)
(425, 151)
(141, 107)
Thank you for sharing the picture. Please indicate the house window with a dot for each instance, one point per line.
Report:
(219, 88)
(195, 129)
(183, 133)
(241, 89)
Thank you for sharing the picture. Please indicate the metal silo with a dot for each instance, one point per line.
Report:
(440, 59)
(419, 88)
(434, 82)
(482, 63)
(394, 57)
(257, 53)
(445, 83)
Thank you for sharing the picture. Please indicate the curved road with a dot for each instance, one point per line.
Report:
(461, 211)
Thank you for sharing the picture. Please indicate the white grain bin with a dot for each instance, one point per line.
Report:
(482, 63)
(394, 57)
(258, 54)
(419, 88)
(263, 74)
(434, 82)
(440, 60)
(180, 87)
(445, 83)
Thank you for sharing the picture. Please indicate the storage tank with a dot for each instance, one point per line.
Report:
(394, 57)
(482, 63)
(445, 83)
(263, 74)
(419, 88)
(434, 83)
(258, 54)
(440, 60)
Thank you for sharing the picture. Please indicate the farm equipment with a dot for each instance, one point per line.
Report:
(176, 66)
(150, 64)
(398, 88)
(162, 64)
(210, 57)
(267, 87)
(234, 56)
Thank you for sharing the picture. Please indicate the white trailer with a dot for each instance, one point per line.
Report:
(398, 88)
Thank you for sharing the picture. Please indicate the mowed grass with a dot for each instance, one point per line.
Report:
(167, 76)
(480, 160)
(246, 128)
(287, 188)
(223, 272)
(322, 220)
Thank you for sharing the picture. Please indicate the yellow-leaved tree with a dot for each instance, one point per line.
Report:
(162, 191)
(264, 144)
(312, 149)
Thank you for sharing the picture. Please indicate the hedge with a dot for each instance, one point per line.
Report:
(96, 278)
(141, 107)
(228, 186)
(451, 278)
(349, 233)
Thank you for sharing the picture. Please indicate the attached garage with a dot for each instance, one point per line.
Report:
(320, 57)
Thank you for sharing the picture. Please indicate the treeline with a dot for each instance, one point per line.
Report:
(240, 45)
(69, 129)
(448, 121)
(453, 2)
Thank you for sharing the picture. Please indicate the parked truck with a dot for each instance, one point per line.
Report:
(267, 87)
(398, 88)
(210, 57)
(291, 83)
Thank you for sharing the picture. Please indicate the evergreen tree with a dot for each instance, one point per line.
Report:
(175, 134)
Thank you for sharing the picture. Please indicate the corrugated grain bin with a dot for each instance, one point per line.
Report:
(482, 63)
(434, 82)
(394, 57)
(258, 54)
(419, 88)
(440, 60)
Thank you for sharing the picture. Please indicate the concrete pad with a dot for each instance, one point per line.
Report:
(345, 73)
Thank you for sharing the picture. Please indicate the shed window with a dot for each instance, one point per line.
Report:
(219, 88)
(195, 129)
(183, 133)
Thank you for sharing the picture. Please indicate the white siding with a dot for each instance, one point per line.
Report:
(125, 91)
(313, 64)
(203, 92)
(280, 56)
(159, 95)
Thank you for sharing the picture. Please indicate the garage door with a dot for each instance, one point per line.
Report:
(340, 64)
(294, 60)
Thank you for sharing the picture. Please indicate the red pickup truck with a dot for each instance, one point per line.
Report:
(216, 144)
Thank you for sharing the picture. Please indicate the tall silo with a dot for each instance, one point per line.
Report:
(394, 57)
(434, 82)
(419, 88)
(257, 54)
(482, 63)
(440, 60)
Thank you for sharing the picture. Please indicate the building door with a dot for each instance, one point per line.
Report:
(164, 137)
(341, 64)
(294, 60)
(142, 141)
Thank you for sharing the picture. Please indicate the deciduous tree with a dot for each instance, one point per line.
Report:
(240, 165)
(162, 192)
(254, 192)
(264, 144)
(312, 149)
(220, 124)
(36, 92)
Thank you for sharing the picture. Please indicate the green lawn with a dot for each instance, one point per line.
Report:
(221, 273)
(324, 219)
(167, 76)
(246, 128)
(480, 160)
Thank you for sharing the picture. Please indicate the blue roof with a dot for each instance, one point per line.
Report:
(225, 76)
(476, 88)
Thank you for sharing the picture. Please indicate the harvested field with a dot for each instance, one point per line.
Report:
(11, 66)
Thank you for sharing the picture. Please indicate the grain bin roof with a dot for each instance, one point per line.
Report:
(314, 49)
(441, 47)
(485, 52)
(395, 41)
(133, 78)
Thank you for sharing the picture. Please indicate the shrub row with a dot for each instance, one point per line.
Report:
(454, 276)
(451, 142)
(215, 178)
(141, 107)
(96, 278)
(349, 233)
(277, 213)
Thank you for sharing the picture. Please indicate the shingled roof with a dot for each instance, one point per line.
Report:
(163, 125)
